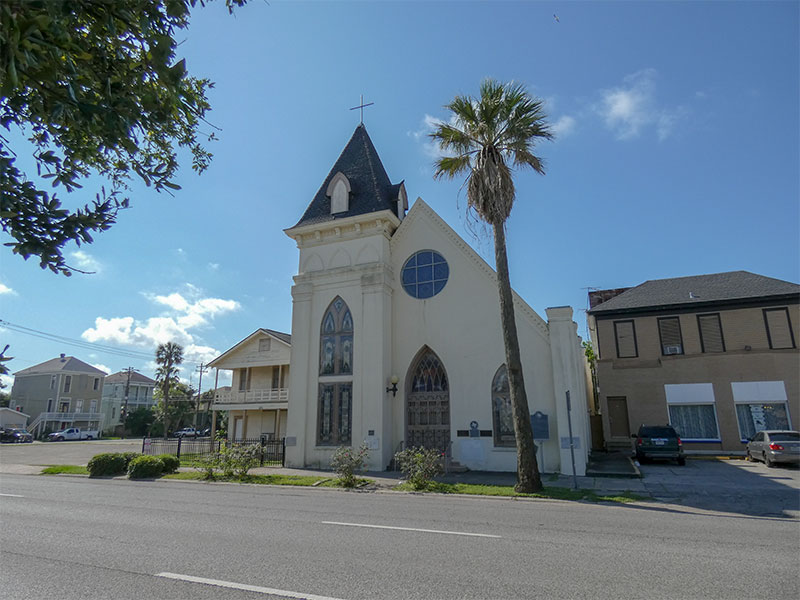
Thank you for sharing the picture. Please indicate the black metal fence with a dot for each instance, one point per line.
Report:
(272, 451)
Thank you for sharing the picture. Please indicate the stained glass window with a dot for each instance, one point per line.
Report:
(335, 414)
(425, 274)
(502, 416)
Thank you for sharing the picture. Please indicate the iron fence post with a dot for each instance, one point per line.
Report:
(180, 439)
(143, 439)
(283, 452)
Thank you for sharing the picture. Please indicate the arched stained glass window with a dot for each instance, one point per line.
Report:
(429, 375)
(335, 412)
(502, 416)
(336, 340)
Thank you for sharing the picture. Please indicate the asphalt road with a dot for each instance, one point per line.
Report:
(79, 538)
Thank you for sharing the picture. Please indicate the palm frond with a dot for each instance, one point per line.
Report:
(450, 166)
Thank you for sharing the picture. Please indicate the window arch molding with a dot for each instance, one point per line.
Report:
(502, 414)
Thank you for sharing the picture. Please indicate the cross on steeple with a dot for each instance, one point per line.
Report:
(361, 107)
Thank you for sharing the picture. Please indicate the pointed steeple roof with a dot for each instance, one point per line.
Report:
(370, 187)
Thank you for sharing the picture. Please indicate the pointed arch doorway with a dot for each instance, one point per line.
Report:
(428, 403)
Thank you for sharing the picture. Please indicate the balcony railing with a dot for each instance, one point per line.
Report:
(277, 395)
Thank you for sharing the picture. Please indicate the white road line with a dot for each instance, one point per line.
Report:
(12, 495)
(244, 586)
(486, 535)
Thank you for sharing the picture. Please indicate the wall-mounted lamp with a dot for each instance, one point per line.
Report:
(393, 389)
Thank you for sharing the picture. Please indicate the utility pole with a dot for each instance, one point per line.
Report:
(202, 368)
(130, 371)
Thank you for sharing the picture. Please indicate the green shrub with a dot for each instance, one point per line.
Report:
(236, 461)
(129, 456)
(171, 462)
(346, 461)
(145, 467)
(108, 463)
(419, 465)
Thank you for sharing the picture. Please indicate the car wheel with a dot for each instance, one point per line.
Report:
(681, 461)
(60, 438)
(88, 437)
(768, 461)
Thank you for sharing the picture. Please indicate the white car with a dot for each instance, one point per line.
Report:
(187, 432)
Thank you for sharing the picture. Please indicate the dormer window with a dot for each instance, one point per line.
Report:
(339, 193)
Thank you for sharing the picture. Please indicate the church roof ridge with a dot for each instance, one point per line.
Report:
(371, 188)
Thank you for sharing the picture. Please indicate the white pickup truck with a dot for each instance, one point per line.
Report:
(73, 433)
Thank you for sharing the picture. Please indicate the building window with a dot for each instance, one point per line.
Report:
(96, 383)
(694, 421)
(692, 411)
(779, 328)
(276, 374)
(760, 405)
(78, 406)
(52, 382)
(264, 344)
(336, 340)
(244, 379)
(502, 415)
(625, 333)
(113, 412)
(710, 327)
(425, 274)
(67, 383)
(669, 330)
(758, 417)
(93, 406)
(335, 411)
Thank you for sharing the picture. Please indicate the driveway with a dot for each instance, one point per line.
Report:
(60, 453)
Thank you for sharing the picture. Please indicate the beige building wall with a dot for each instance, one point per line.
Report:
(747, 358)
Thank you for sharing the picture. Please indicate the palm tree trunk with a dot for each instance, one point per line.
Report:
(528, 478)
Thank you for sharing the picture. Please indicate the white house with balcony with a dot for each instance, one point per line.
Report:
(258, 399)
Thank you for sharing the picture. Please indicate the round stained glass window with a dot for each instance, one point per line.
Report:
(425, 274)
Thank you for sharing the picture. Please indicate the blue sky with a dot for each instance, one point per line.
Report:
(676, 153)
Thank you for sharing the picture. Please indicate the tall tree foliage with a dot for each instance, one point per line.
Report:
(97, 88)
(168, 357)
(490, 135)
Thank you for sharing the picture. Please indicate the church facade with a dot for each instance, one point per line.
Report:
(396, 338)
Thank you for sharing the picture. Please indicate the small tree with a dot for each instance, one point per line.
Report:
(346, 461)
(168, 357)
(419, 465)
(140, 420)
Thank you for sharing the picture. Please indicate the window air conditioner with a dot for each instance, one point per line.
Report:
(672, 349)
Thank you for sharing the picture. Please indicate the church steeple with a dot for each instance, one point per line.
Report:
(356, 185)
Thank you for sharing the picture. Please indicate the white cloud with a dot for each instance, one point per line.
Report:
(422, 135)
(110, 330)
(631, 108)
(4, 289)
(85, 262)
(102, 367)
(8, 381)
(183, 312)
(563, 127)
(213, 266)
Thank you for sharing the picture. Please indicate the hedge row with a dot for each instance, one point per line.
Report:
(136, 465)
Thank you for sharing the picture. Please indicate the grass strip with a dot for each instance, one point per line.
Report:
(298, 480)
(64, 470)
(557, 493)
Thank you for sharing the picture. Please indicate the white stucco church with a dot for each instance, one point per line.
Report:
(384, 294)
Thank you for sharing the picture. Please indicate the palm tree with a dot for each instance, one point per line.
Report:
(168, 357)
(487, 137)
